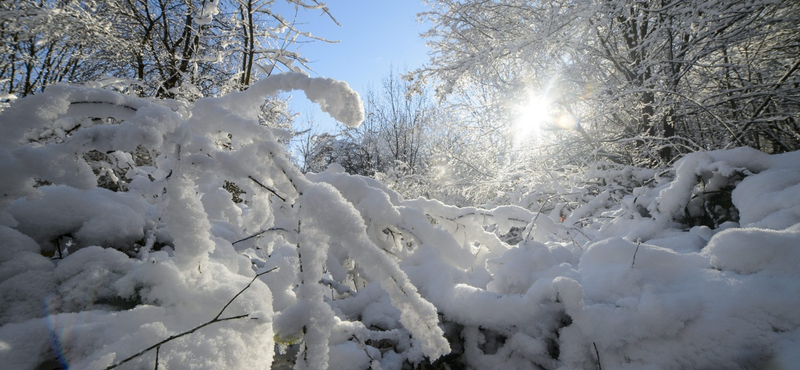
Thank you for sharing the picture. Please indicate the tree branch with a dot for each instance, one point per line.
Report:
(267, 188)
(259, 234)
(216, 319)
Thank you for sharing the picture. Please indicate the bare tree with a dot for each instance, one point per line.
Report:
(173, 48)
(401, 117)
(45, 42)
(396, 132)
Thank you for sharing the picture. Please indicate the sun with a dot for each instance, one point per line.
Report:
(530, 117)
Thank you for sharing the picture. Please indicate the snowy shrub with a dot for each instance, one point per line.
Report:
(140, 233)
(170, 213)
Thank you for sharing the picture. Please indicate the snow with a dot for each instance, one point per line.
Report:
(769, 200)
(334, 97)
(734, 250)
(86, 215)
(694, 269)
(210, 9)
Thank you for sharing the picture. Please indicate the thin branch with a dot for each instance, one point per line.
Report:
(216, 319)
(597, 353)
(339, 287)
(764, 104)
(259, 234)
(106, 103)
(158, 349)
(267, 188)
(638, 244)
(171, 338)
(325, 10)
(533, 223)
(242, 291)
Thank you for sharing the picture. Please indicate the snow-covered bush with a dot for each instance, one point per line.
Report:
(137, 232)
(671, 308)
(168, 247)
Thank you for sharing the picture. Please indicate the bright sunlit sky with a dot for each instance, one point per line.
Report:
(375, 36)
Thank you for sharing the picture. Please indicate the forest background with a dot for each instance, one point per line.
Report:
(636, 83)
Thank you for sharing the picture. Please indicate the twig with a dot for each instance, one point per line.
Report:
(259, 234)
(242, 291)
(573, 241)
(267, 188)
(216, 319)
(766, 102)
(597, 353)
(171, 338)
(106, 103)
(363, 347)
(70, 131)
(638, 243)
(337, 286)
(533, 223)
(158, 349)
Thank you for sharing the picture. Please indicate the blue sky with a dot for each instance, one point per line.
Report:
(375, 35)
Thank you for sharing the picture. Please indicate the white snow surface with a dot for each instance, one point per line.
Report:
(661, 275)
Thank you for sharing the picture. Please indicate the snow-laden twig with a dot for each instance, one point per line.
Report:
(638, 244)
(262, 232)
(533, 222)
(597, 353)
(283, 199)
(216, 319)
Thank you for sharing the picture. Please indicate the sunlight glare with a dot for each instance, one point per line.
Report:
(530, 116)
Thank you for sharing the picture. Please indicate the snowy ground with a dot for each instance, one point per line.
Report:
(691, 268)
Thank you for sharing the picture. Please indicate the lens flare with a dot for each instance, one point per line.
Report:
(565, 121)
